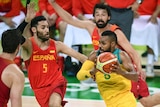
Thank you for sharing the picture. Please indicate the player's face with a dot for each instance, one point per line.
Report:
(101, 18)
(105, 44)
(43, 30)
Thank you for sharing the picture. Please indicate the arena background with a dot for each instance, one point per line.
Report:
(87, 95)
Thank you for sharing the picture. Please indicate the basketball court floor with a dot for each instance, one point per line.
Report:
(87, 95)
(79, 95)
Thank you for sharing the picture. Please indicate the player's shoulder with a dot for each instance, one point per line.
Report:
(57, 42)
(124, 54)
(13, 72)
(13, 68)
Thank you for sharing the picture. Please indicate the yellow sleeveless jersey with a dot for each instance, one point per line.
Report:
(111, 86)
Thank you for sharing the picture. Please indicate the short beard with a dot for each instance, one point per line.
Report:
(42, 38)
(102, 25)
(108, 50)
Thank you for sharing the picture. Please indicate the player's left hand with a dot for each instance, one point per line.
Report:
(93, 73)
(117, 68)
(31, 12)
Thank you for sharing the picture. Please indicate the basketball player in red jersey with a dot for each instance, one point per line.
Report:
(40, 54)
(11, 77)
(102, 15)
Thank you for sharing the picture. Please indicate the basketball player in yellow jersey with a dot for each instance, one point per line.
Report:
(114, 87)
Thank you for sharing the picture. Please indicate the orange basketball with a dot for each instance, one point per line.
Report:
(105, 61)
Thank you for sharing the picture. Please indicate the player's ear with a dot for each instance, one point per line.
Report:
(113, 43)
(33, 29)
(109, 18)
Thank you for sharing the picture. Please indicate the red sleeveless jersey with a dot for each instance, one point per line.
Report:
(4, 90)
(5, 5)
(96, 36)
(43, 69)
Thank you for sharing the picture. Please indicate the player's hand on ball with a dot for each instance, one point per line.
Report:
(117, 69)
(93, 73)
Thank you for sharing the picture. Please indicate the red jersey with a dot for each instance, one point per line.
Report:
(12, 7)
(120, 3)
(43, 70)
(83, 6)
(148, 7)
(96, 36)
(45, 5)
(5, 5)
(4, 90)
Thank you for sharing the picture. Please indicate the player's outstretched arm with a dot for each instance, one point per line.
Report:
(67, 17)
(24, 27)
(62, 48)
(31, 13)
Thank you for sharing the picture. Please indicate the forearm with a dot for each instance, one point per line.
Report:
(2, 18)
(22, 26)
(71, 52)
(136, 60)
(157, 11)
(16, 102)
(82, 17)
(130, 75)
(61, 12)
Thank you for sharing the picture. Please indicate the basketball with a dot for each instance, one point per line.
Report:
(105, 61)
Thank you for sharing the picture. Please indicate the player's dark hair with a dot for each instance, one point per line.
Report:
(34, 21)
(10, 40)
(111, 34)
(101, 6)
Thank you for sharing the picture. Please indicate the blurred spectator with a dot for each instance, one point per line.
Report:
(12, 13)
(54, 20)
(82, 7)
(145, 31)
(122, 13)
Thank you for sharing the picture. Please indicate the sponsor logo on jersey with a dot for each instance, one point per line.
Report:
(43, 57)
(52, 51)
(95, 42)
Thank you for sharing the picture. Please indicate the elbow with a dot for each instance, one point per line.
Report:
(82, 76)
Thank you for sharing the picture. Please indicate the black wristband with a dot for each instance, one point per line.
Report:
(22, 26)
(23, 39)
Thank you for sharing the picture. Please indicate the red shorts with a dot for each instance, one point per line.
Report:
(43, 94)
(140, 88)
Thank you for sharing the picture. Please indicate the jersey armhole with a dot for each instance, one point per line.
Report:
(114, 27)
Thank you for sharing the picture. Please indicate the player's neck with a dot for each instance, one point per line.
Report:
(101, 30)
(8, 56)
